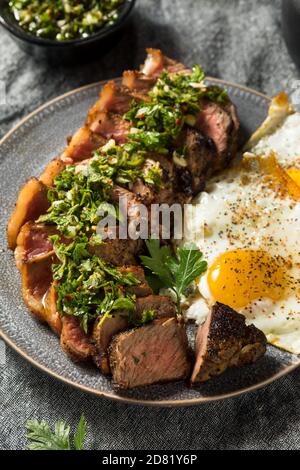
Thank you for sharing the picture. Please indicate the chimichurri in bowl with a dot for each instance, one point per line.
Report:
(64, 19)
(65, 29)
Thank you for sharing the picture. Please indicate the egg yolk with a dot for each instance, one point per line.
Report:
(295, 175)
(286, 180)
(238, 277)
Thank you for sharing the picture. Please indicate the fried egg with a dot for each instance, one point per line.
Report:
(247, 224)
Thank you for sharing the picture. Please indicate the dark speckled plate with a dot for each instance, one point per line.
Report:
(24, 152)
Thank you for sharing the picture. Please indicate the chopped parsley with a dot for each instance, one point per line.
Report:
(172, 101)
(79, 190)
(87, 286)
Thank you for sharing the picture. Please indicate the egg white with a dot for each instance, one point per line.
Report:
(239, 211)
(284, 142)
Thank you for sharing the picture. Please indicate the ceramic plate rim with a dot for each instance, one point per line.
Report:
(103, 394)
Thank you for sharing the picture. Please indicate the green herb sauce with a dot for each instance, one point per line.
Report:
(64, 19)
(87, 286)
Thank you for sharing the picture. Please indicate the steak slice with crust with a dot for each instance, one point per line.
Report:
(117, 251)
(51, 313)
(110, 126)
(134, 80)
(31, 203)
(74, 341)
(163, 306)
(201, 154)
(156, 62)
(224, 340)
(107, 326)
(154, 353)
(142, 289)
(220, 124)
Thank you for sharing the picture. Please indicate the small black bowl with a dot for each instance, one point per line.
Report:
(66, 51)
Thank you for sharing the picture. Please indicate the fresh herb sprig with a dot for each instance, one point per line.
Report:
(176, 272)
(42, 438)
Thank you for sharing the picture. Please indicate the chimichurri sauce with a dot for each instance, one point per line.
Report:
(64, 19)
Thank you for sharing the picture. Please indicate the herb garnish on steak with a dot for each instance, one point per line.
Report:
(155, 138)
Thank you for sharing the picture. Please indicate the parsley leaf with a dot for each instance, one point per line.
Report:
(189, 267)
(43, 438)
(80, 434)
(176, 272)
(156, 262)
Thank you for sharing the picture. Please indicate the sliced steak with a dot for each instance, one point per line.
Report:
(133, 210)
(137, 81)
(74, 341)
(154, 353)
(220, 124)
(147, 193)
(36, 280)
(141, 290)
(113, 98)
(118, 251)
(33, 243)
(81, 145)
(200, 157)
(163, 306)
(110, 126)
(156, 62)
(51, 315)
(52, 170)
(31, 203)
(105, 328)
(224, 340)
(144, 192)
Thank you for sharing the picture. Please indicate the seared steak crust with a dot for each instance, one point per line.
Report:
(201, 155)
(220, 124)
(223, 341)
(142, 289)
(105, 328)
(154, 353)
(74, 341)
(163, 306)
